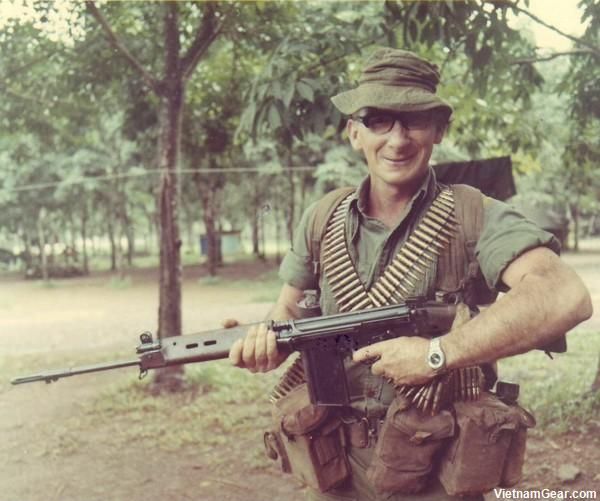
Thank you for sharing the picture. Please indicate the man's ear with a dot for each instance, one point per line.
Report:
(440, 130)
(353, 134)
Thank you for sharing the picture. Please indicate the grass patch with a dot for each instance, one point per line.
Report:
(224, 407)
(209, 281)
(557, 391)
(46, 284)
(265, 288)
(35, 363)
(119, 283)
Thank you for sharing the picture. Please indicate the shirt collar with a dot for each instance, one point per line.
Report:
(361, 195)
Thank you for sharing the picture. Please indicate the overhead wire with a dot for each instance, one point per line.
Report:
(124, 175)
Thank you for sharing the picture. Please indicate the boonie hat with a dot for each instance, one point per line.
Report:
(394, 79)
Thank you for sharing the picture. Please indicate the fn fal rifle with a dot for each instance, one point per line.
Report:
(323, 342)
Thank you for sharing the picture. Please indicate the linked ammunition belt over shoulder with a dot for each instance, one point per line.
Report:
(406, 271)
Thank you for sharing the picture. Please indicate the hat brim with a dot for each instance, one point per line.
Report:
(388, 97)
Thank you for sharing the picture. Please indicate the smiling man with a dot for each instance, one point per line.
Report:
(399, 235)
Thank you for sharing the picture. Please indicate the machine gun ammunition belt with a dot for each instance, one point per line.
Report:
(401, 277)
(292, 377)
(407, 269)
(464, 384)
(422, 248)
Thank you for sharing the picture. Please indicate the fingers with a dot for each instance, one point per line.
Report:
(249, 349)
(235, 353)
(366, 354)
(273, 356)
(377, 369)
(260, 348)
(228, 323)
(258, 351)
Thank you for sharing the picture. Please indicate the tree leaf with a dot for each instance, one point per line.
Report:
(274, 117)
(305, 90)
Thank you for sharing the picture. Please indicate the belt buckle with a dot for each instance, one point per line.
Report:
(371, 430)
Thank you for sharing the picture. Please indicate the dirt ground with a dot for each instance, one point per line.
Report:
(49, 326)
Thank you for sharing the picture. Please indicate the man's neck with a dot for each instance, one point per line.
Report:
(388, 202)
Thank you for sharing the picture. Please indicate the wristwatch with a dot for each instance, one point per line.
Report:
(436, 358)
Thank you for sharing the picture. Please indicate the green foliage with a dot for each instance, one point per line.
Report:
(558, 391)
(583, 80)
(75, 108)
(120, 283)
(227, 401)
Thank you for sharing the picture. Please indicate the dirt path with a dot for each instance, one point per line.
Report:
(40, 460)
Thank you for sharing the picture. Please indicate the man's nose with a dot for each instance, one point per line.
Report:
(398, 135)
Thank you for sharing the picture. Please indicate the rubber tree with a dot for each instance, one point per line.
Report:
(169, 88)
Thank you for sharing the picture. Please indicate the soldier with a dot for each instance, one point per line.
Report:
(473, 247)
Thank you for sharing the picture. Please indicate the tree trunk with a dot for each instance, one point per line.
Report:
(291, 203)
(113, 245)
(575, 216)
(84, 220)
(189, 229)
(209, 211)
(150, 234)
(169, 317)
(128, 233)
(120, 255)
(170, 90)
(169, 310)
(263, 243)
(255, 229)
(42, 244)
(26, 254)
(276, 214)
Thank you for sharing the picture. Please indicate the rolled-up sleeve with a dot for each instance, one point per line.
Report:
(296, 269)
(507, 234)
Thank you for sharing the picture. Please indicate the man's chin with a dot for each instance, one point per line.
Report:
(404, 176)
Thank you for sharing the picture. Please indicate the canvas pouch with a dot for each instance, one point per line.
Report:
(308, 440)
(489, 449)
(404, 457)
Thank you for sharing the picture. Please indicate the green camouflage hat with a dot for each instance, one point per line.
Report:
(394, 79)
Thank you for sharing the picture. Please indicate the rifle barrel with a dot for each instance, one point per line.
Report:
(53, 375)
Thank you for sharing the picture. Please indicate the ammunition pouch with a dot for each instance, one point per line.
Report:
(408, 441)
(308, 440)
(489, 449)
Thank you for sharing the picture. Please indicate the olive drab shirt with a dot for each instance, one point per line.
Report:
(505, 235)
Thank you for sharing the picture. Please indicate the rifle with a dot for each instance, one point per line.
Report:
(323, 342)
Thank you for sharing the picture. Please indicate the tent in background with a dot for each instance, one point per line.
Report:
(494, 177)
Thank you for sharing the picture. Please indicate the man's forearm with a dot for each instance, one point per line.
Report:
(539, 308)
(286, 306)
(282, 312)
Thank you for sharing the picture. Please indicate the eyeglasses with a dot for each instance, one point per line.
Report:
(382, 122)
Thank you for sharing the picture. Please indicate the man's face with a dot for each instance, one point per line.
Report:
(396, 146)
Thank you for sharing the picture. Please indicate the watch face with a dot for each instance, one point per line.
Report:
(436, 357)
(435, 360)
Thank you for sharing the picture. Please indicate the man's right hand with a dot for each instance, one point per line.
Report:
(258, 351)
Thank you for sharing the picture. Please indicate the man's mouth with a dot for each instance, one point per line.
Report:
(399, 160)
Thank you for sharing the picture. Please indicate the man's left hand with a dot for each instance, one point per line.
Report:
(402, 360)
